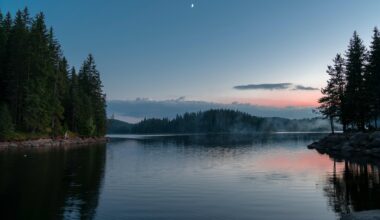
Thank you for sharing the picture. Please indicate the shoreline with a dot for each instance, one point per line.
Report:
(51, 142)
(357, 147)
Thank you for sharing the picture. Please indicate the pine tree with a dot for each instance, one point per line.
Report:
(372, 80)
(59, 84)
(17, 63)
(355, 97)
(73, 103)
(36, 110)
(3, 43)
(93, 99)
(332, 101)
(35, 84)
(97, 97)
(5, 27)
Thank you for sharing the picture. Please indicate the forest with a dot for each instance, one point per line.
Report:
(216, 121)
(41, 95)
(352, 93)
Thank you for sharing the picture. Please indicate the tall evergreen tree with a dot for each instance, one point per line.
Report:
(372, 80)
(37, 111)
(332, 101)
(35, 84)
(355, 97)
(3, 43)
(17, 64)
(59, 83)
(73, 103)
(93, 104)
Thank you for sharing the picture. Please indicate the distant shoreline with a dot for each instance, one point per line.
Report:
(50, 142)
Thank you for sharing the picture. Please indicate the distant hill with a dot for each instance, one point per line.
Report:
(118, 127)
(217, 121)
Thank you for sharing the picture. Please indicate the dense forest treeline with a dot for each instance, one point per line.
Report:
(40, 93)
(216, 121)
(352, 94)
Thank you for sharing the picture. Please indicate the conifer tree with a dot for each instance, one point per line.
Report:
(332, 101)
(372, 80)
(73, 104)
(17, 64)
(355, 97)
(37, 111)
(3, 43)
(92, 108)
(35, 84)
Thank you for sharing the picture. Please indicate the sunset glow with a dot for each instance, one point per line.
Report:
(279, 99)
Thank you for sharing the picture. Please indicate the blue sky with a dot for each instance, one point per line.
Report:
(164, 49)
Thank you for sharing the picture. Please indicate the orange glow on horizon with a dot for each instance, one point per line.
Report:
(281, 99)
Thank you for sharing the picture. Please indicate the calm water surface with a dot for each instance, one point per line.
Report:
(185, 177)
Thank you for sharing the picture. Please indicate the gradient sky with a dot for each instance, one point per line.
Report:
(164, 49)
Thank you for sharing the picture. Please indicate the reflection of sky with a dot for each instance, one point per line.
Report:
(198, 179)
(166, 49)
(300, 162)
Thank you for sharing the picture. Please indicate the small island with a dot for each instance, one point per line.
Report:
(44, 101)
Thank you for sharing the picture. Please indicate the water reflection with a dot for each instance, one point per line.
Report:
(186, 177)
(353, 187)
(223, 140)
(51, 183)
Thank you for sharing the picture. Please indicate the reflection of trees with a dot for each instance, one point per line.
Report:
(52, 184)
(228, 140)
(356, 188)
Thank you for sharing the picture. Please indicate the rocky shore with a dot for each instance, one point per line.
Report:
(48, 142)
(353, 146)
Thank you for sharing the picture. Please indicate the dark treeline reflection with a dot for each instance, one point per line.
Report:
(225, 140)
(355, 187)
(51, 184)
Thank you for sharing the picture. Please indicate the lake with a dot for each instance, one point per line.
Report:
(261, 176)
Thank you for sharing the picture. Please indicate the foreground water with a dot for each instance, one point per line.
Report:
(185, 177)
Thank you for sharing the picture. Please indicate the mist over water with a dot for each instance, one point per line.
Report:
(260, 176)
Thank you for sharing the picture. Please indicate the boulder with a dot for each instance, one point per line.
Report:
(12, 145)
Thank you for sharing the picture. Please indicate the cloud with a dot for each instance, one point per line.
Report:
(147, 108)
(265, 86)
(274, 86)
(307, 88)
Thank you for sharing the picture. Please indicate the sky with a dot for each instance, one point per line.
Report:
(256, 52)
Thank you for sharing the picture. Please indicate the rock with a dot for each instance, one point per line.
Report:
(12, 145)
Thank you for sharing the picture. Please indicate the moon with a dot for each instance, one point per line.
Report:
(192, 5)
